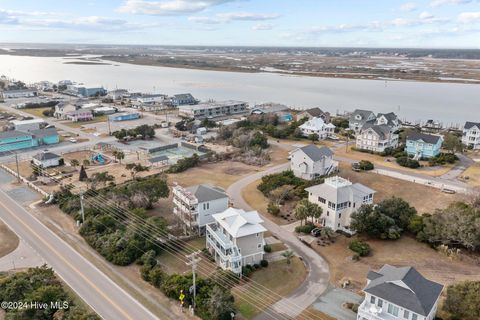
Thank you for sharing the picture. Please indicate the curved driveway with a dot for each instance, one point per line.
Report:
(318, 274)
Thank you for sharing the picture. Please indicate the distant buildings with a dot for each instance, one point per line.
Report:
(359, 118)
(317, 126)
(47, 160)
(339, 198)
(212, 110)
(423, 146)
(83, 91)
(471, 135)
(17, 140)
(72, 113)
(399, 293)
(151, 98)
(283, 112)
(311, 162)
(19, 93)
(124, 116)
(118, 94)
(183, 99)
(195, 206)
(235, 239)
(314, 113)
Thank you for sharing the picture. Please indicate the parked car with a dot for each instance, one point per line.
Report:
(72, 140)
(316, 232)
(356, 166)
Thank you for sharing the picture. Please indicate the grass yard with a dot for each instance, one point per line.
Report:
(37, 112)
(278, 247)
(423, 198)
(8, 240)
(258, 202)
(379, 160)
(278, 277)
(97, 119)
(403, 252)
(473, 174)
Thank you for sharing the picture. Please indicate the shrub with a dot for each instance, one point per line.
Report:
(463, 300)
(360, 247)
(366, 165)
(407, 162)
(256, 266)
(267, 248)
(355, 257)
(307, 228)
(442, 159)
(273, 209)
(400, 154)
(185, 164)
(264, 263)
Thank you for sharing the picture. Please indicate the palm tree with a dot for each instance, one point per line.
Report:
(86, 163)
(315, 211)
(301, 210)
(120, 156)
(74, 163)
(288, 255)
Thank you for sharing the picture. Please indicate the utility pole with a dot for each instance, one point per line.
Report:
(109, 129)
(82, 208)
(193, 257)
(18, 170)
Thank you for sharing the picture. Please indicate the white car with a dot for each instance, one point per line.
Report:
(72, 140)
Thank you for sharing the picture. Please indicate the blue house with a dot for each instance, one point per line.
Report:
(421, 145)
(17, 140)
(124, 116)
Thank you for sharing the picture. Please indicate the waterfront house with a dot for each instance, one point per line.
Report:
(84, 91)
(183, 99)
(13, 93)
(314, 113)
(311, 162)
(339, 199)
(14, 140)
(124, 116)
(195, 206)
(212, 110)
(151, 98)
(399, 293)
(47, 160)
(377, 137)
(471, 135)
(317, 126)
(359, 118)
(282, 111)
(423, 146)
(235, 239)
(388, 119)
(118, 94)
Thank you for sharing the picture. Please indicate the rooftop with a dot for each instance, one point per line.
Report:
(405, 287)
(42, 156)
(239, 223)
(428, 138)
(315, 153)
(205, 193)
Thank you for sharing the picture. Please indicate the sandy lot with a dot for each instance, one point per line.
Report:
(404, 252)
(473, 174)
(8, 240)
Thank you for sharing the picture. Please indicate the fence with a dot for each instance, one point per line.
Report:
(23, 179)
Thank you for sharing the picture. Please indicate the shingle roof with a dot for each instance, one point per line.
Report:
(315, 112)
(428, 138)
(205, 193)
(363, 113)
(42, 156)
(382, 130)
(315, 153)
(469, 125)
(405, 287)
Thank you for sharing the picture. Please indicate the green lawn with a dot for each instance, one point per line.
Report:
(278, 277)
(37, 112)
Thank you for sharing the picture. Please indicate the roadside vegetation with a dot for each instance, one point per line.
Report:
(42, 286)
(143, 132)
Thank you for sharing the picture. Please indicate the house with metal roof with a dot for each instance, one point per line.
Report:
(47, 160)
(423, 146)
(311, 162)
(319, 127)
(183, 99)
(14, 140)
(399, 293)
(339, 199)
(195, 206)
(471, 135)
(235, 239)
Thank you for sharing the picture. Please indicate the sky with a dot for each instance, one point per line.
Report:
(317, 23)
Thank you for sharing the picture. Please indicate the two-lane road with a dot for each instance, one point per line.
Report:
(104, 296)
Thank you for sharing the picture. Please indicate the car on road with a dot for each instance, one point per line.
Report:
(356, 166)
(73, 140)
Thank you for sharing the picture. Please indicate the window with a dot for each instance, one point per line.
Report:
(380, 303)
(392, 309)
(259, 245)
(322, 200)
(257, 234)
(414, 316)
(372, 299)
(406, 314)
(339, 215)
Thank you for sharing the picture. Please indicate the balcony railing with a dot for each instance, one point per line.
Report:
(373, 312)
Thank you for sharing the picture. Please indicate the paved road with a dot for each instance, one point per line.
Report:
(318, 273)
(95, 288)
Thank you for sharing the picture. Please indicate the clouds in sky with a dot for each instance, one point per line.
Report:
(303, 22)
(168, 7)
